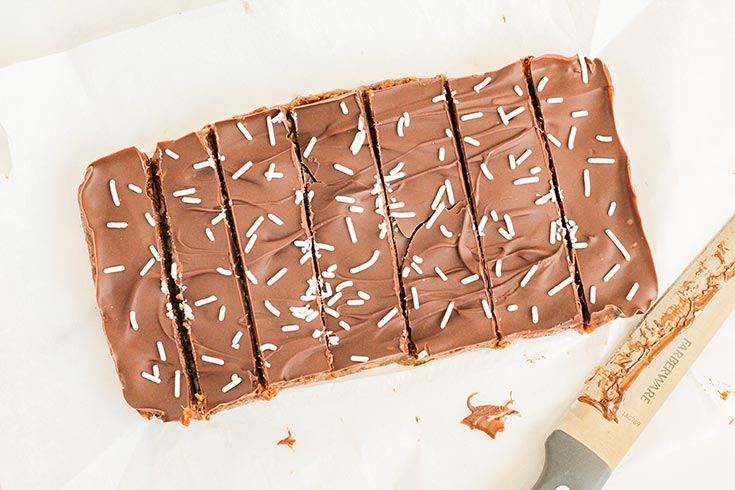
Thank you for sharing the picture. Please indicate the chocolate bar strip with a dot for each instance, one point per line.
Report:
(204, 267)
(360, 290)
(447, 301)
(126, 255)
(263, 182)
(613, 257)
(520, 225)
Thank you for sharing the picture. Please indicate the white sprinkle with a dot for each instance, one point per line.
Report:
(363, 295)
(435, 215)
(276, 276)
(210, 235)
(407, 119)
(516, 162)
(191, 200)
(482, 84)
(509, 224)
(566, 282)
(251, 277)
(582, 113)
(236, 340)
(289, 328)
(224, 272)
(222, 313)
(481, 226)
(117, 224)
(579, 245)
(310, 146)
(603, 161)
(239, 173)
(518, 90)
(415, 297)
(535, 170)
(244, 131)
(358, 141)
(604, 139)
(512, 308)
(593, 294)
(175, 270)
(505, 234)
(343, 284)
(572, 136)
(403, 215)
(251, 231)
(135, 188)
(507, 117)
(542, 84)
(534, 314)
(334, 299)
(271, 173)
(150, 377)
(444, 231)
(272, 308)
(553, 139)
(147, 267)
(449, 134)
(399, 125)
(113, 269)
(617, 243)
(499, 268)
(555, 100)
(366, 265)
(113, 192)
(213, 360)
(611, 273)
(633, 290)
(440, 273)
(133, 321)
(471, 116)
(355, 302)
(529, 275)
(416, 267)
(526, 180)
(275, 219)
(583, 65)
(351, 229)
(486, 307)
(485, 171)
(359, 358)
(271, 136)
(447, 314)
(345, 199)
(552, 233)
(205, 301)
(470, 279)
(611, 209)
(204, 164)
(344, 325)
(217, 218)
(383, 321)
(357, 209)
(437, 197)
(345, 170)
(343, 106)
(177, 383)
(161, 351)
(236, 380)
(172, 154)
(150, 219)
(586, 178)
(442, 154)
(471, 141)
(438, 98)
(450, 194)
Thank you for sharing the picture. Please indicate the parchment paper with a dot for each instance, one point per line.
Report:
(63, 422)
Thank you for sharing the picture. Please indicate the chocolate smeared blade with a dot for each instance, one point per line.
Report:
(127, 262)
(360, 290)
(623, 396)
(449, 306)
(519, 221)
(614, 260)
(203, 267)
(263, 181)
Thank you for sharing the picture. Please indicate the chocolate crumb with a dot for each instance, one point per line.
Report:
(490, 419)
(288, 440)
(418, 419)
(724, 394)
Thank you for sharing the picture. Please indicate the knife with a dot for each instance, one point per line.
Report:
(621, 398)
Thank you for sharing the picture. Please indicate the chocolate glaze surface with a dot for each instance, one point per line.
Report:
(519, 223)
(613, 256)
(354, 254)
(119, 220)
(203, 267)
(448, 306)
(264, 185)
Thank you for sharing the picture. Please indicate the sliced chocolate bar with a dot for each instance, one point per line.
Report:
(591, 166)
(204, 267)
(360, 290)
(519, 221)
(448, 304)
(120, 225)
(263, 182)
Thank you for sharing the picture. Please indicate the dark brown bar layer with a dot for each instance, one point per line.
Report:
(203, 267)
(362, 308)
(519, 222)
(593, 174)
(448, 305)
(264, 185)
(119, 222)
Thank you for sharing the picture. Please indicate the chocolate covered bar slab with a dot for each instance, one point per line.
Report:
(360, 291)
(448, 305)
(592, 171)
(263, 182)
(519, 221)
(204, 267)
(120, 224)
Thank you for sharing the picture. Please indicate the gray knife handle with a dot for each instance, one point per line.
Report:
(570, 465)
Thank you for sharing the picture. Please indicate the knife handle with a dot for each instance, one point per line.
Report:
(570, 465)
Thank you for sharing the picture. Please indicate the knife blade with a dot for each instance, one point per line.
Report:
(621, 398)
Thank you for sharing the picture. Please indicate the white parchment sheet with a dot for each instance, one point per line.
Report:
(63, 422)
